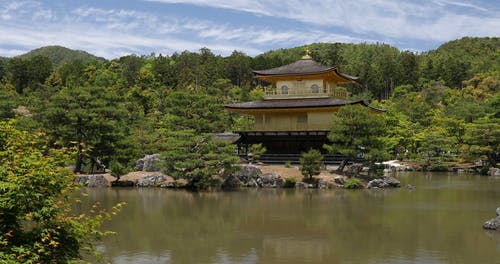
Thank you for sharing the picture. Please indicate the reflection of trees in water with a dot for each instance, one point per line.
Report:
(253, 225)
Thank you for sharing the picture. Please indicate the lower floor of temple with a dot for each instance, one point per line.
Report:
(282, 142)
(285, 146)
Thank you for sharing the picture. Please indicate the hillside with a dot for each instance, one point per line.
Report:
(59, 55)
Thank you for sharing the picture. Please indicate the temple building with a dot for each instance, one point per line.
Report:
(296, 112)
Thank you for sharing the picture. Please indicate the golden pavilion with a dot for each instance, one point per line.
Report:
(296, 112)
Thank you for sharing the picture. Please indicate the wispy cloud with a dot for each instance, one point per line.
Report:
(397, 19)
(267, 24)
(116, 32)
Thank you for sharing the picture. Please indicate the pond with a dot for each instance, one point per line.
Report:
(440, 221)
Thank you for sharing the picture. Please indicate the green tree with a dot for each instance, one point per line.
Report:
(198, 158)
(18, 69)
(356, 130)
(310, 163)
(483, 140)
(39, 69)
(257, 150)
(198, 111)
(93, 118)
(434, 147)
(36, 224)
(8, 101)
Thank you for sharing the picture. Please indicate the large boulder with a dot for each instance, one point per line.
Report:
(231, 182)
(148, 163)
(270, 180)
(247, 173)
(152, 180)
(339, 180)
(92, 180)
(391, 181)
(377, 183)
(494, 223)
(384, 182)
(494, 171)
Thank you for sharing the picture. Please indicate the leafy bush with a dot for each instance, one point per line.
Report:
(289, 183)
(257, 150)
(310, 163)
(353, 183)
(118, 169)
(37, 225)
(437, 166)
(288, 164)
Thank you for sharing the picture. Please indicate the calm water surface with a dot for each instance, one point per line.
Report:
(438, 222)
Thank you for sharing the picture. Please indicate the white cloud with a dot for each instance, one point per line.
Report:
(115, 32)
(395, 19)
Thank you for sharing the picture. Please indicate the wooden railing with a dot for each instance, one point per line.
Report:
(276, 93)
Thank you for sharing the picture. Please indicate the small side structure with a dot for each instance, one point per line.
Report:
(296, 112)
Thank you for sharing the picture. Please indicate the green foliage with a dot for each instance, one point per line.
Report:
(200, 112)
(290, 183)
(198, 158)
(118, 169)
(90, 116)
(257, 150)
(310, 163)
(483, 140)
(356, 130)
(353, 183)
(288, 164)
(8, 101)
(59, 55)
(36, 225)
(434, 146)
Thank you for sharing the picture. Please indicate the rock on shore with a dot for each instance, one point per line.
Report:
(92, 180)
(384, 182)
(494, 223)
(251, 175)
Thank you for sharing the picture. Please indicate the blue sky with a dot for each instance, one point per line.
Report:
(113, 28)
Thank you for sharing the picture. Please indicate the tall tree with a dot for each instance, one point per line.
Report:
(19, 74)
(198, 158)
(483, 140)
(91, 116)
(356, 130)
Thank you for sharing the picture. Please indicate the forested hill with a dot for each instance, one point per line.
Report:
(59, 55)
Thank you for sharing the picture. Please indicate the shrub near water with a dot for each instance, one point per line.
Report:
(36, 225)
(289, 183)
(353, 183)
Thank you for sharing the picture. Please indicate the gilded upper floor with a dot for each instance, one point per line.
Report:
(304, 78)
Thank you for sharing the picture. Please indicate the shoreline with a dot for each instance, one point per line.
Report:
(267, 176)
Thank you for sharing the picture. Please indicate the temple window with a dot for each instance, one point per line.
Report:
(284, 89)
(315, 88)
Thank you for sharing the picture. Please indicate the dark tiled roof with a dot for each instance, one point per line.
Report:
(292, 103)
(303, 66)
